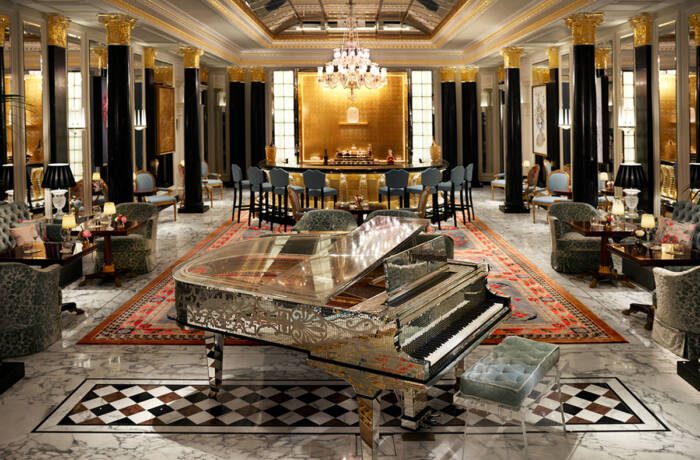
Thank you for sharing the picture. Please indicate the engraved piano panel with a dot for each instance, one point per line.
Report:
(383, 307)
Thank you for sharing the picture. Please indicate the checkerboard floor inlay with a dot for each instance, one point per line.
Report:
(318, 407)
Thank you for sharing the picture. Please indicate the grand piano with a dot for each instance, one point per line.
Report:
(383, 307)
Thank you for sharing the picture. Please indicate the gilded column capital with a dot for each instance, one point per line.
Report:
(190, 56)
(448, 74)
(102, 55)
(4, 24)
(257, 74)
(57, 26)
(540, 75)
(511, 56)
(601, 58)
(583, 27)
(118, 27)
(641, 24)
(553, 57)
(236, 74)
(163, 75)
(149, 58)
(469, 73)
(694, 22)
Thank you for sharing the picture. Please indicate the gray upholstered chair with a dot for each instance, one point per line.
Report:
(30, 308)
(677, 315)
(213, 180)
(430, 177)
(326, 220)
(455, 184)
(396, 183)
(571, 251)
(147, 190)
(135, 253)
(239, 184)
(315, 186)
(258, 186)
(558, 185)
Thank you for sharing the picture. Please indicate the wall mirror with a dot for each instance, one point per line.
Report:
(76, 111)
(565, 111)
(98, 106)
(693, 105)
(33, 94)
(139, 114)
(668, 147)
(604, 109)
(625, 103)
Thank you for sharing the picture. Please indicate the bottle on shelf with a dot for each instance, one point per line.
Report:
(325, 156)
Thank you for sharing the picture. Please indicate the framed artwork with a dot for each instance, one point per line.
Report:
(539, 119)
(165, 119)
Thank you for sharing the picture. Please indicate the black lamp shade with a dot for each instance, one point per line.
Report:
(630, 175)
(694, 175)
(7, 181)
(58, 176)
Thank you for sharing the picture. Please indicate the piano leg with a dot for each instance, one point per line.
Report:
(414, 406)
(369, 411)
(214, 343)
(460, 368)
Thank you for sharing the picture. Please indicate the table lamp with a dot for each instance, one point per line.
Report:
(618, 208)
(648, 223)
(68, 223)
(603, 179)
(59, 178)
(630, 176)
(7, 180)
(109, 210)
(96, 176)
(694, 180)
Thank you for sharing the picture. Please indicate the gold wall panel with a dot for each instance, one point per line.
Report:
(34, 118)
(383, 118)
(667, 120)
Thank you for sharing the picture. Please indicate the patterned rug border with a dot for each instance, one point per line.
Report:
(614, 336)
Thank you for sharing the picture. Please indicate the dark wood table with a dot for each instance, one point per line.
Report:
(606, 271)
(108, 271)
(47, 255)
(360, 211)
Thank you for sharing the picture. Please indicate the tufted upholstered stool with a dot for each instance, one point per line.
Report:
(501, 381)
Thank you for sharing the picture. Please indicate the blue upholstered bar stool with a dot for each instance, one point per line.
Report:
(396, 184)
(468, 176)
(279, 179)
(239, 184)
(430, 177)
(258, 186)
(502, 382)
(456, 183)
(315, 186)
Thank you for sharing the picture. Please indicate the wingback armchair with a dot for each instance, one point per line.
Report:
(677, 315)
(571, 251)
(136, 252)
(326, 220)
(30, 309)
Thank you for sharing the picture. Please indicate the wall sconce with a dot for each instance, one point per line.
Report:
(565, 118)
(221, 100)
(139, 120)
(485, 99)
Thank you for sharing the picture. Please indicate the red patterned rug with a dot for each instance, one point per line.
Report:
(543, 310)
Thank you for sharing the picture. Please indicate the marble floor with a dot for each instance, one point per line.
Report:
(644, 367)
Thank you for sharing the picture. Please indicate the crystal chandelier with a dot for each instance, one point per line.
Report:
(351, 66)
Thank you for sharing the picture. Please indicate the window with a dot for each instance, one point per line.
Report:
(283, 115)
(626, 118)
(422, 113)
(76, 123)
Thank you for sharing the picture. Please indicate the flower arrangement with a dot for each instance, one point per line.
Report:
(86, 237)
(120, 220)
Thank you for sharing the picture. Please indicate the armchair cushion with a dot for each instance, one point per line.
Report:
(677, 316)
(573, 241)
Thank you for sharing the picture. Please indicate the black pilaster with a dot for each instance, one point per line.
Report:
(604, 130)
(151, 128)
(58, 103)
(470, 126)
(449, 122)
(237, 123)
(644, 129)
(99, 121)
(584, 159)
(697, 95)
(513, 135)
(257, 122)
(553, 148)
(119, 126)
(3, 114)
(193, 159)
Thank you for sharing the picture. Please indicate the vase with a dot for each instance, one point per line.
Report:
(270, 154)
(435, 154)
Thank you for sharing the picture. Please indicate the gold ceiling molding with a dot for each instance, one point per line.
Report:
(4, 24)
(514, 30)
(118, 28)
(257, 74)
(102, 57)
(694, 21)
(57, 27)
(511, 56)
(190, 56)
(469, 74)
(448, 74)
(642, 29)
(149, 58)
(236, 74)
(458, 25)
(163, 75)
(601, 58)
(540, 75)
(553, 57)
(583, 27)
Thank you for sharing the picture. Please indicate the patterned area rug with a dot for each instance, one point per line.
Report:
(322, 407)
(543, 310)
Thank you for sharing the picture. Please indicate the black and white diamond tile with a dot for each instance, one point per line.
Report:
(318, 407)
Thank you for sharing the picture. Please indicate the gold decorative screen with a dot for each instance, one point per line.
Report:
(382, 121)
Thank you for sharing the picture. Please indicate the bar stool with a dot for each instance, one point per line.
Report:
(238, 185)
(396, 183)
(455, 183)
(315, 186)
(468, 176)
(262, 188)
(279, 180)
(428, 178)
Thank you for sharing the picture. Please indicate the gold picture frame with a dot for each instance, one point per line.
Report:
(165, 119)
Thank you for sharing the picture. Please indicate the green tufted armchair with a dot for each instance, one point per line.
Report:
(571, 251)
(326, 220)
(136, 252)
(30, 308)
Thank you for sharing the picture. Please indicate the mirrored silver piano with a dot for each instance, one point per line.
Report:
(383, 307)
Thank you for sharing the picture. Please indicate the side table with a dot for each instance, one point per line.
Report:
(108, 271)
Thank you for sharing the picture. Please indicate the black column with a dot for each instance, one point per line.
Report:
(58, 103)
(193, 159)
(119, 126)
(237, 123)
(448, 93)
(553, 148)
(257, 122)
(513, 135)
(470, 126)
(604, 130)
(151, 120)
(584, 159)
(644, 129)
(99, 121)
(697, 94)
(3, 114)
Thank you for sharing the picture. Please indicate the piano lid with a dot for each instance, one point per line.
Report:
(304, 268)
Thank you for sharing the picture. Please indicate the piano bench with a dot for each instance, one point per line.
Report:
(502, 381)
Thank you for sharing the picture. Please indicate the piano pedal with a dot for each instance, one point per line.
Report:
(430, 419)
